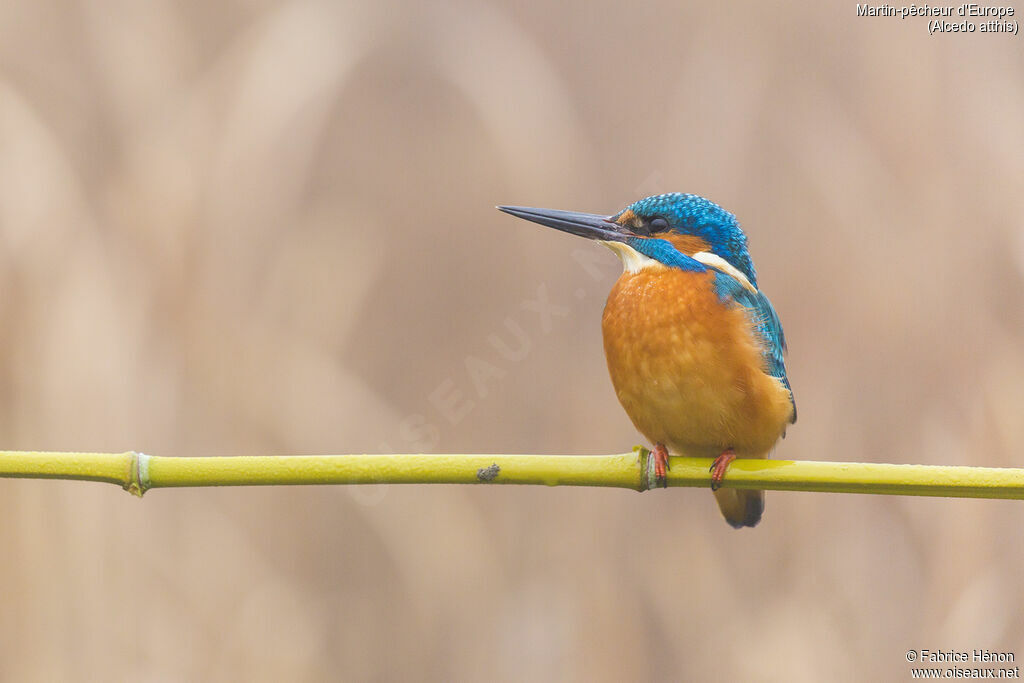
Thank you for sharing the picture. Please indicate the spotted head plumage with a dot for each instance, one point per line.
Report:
(692, 225)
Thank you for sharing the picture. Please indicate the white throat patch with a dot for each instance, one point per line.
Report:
(632, 260)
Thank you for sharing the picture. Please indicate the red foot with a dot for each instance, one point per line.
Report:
(660, 465)
(719, 466)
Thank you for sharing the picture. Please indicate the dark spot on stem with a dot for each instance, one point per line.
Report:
(489, 473)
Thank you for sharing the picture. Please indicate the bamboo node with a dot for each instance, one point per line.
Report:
(137, 481)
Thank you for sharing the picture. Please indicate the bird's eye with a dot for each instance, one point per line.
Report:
(659, 225)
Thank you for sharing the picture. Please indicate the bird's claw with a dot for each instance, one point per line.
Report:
(719, 466)
(661, 467)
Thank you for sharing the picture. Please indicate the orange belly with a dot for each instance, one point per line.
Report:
(688, 369)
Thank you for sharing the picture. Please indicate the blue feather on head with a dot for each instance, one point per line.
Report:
(692, 214)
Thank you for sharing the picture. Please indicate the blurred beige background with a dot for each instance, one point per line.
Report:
(268, 227)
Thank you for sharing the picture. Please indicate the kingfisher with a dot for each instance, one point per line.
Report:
(694, 348)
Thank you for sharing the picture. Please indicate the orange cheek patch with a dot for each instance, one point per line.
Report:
(687, 244)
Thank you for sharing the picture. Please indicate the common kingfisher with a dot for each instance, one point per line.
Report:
(694, 349)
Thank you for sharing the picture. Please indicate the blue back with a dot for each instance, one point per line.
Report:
(767, 325)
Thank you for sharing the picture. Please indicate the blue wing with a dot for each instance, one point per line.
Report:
(766, 324)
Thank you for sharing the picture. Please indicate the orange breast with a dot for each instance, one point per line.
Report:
(688, 368)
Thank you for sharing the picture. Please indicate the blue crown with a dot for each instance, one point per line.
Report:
(690, 214)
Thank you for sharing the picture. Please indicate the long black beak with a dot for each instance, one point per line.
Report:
(589, 225)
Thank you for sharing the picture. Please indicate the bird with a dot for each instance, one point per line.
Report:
(694, 349)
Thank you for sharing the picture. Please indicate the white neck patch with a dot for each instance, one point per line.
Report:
(632, 260)
(718, 263)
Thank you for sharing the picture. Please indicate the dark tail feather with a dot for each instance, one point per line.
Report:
(740, 507)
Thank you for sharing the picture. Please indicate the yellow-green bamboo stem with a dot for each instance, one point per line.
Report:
(138, 473)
